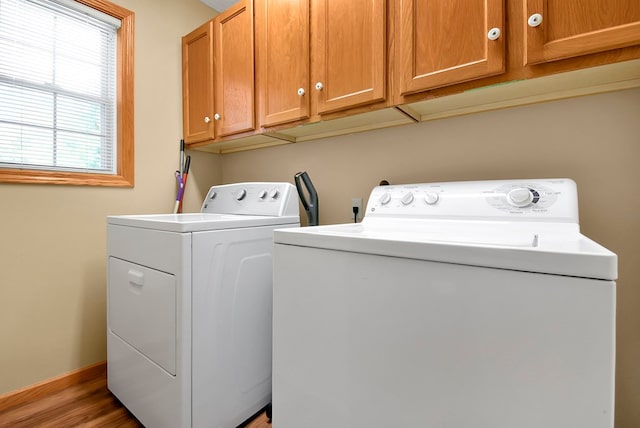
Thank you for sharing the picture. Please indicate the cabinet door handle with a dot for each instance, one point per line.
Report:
(216, 116)
(494, 33)
(319, 86)
(301, 91)
(207, 119)
(534, 20)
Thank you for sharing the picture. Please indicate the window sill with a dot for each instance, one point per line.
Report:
(70, 178)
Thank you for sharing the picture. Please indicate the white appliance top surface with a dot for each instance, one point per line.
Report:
(228, 206)
(471, 223)
(195, 222)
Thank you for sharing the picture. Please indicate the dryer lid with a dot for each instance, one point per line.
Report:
(196, 222)
(228, 206)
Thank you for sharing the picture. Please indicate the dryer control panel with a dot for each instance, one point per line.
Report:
(259, 198)
(549, 200)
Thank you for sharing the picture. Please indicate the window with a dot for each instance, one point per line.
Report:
(66, 92)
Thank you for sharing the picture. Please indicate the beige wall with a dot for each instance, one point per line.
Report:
(53, 238)
(594, 140)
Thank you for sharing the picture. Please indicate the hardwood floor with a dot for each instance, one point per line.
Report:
(87, 404)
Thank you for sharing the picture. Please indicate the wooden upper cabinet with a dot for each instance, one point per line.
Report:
(282, 60)
(558, 29)
(197, 84)
(233, 66)
(319, 60)
(440, 43)
(348, 53)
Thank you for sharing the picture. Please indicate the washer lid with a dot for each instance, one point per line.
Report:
(198, 221)
(544, 248)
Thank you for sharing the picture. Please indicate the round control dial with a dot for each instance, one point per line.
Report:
(407, 198)
(431, 198)
(385, 199)
(521, 196)
(273, 194)
(262, 194)
(241, 194)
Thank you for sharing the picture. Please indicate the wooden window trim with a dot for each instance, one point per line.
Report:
(124, 176)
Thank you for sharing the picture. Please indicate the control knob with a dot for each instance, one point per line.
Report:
(385, 199)
(431, 198)
(262, 194)
(274, 194)
(407, 198)
(241, 194)
(520, 197)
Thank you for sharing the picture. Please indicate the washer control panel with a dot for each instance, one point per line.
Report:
(267, 199)
(546, 199)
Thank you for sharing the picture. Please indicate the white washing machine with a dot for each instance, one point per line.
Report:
(190, 307)
(462, 304)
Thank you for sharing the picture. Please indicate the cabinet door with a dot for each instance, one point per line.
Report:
(282, 56)
(233, 64)
(197, 84)
(557, 29)
(446, 42)
(348, 48)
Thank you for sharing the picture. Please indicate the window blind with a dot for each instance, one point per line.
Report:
(57, 87)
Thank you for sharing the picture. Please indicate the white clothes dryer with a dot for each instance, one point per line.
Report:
(468, 304)
(190, 307)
